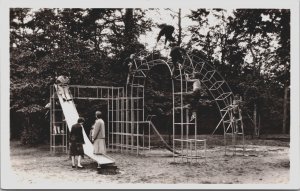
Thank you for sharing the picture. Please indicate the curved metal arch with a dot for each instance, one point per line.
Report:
(149, 60)
(160, 62)
(142, 80)
(221, 90)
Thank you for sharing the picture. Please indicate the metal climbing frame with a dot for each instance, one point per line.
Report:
(235, 129)
(184, 131)
(114, 96)
(58, 126)
(222, 95)
(127, 127)
(128, 130)
(209, 77)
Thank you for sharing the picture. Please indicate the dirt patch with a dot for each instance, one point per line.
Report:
(259, 165)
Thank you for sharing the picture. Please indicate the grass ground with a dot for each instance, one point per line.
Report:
(266, 161)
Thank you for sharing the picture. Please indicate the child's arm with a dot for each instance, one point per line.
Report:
(187, 77)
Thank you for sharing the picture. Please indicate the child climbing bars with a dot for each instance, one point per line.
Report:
(177, 57)
(128, 63)
(195, 95)
(236, 111)
(167, 31)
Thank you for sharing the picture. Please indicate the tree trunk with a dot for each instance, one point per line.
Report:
(258, 127)
(255, 59)
(284, 131)
(129, 36)
(179, 28)
(254, 120)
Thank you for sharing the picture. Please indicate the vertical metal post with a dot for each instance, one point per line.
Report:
(143, 103)
(132, 122)
(122, 119)
(127, 119)
(51, 110)
(137, 138)
(66, 129)
(144, 137)
(78, 91)
(111, 117)
(138, 117)
(54, 124)
(181, 114)
(188, 143)
(117, 118)
(205, 149)
(173, 118)
(225, 143)
(109, 122)
(187, 133)
(149, 132)
(196, 130)
(242, 128)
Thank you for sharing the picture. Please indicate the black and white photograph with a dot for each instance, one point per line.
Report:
(139, 97)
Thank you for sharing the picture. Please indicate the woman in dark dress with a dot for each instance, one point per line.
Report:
(76, 142)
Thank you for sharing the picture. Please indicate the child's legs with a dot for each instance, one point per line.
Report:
(79, 160)
(129, 76)
(195, 96)
(66, 92)
(175, 66)
(60, 90)
(73, 160)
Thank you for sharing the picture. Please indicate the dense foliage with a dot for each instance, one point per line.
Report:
(251, 48)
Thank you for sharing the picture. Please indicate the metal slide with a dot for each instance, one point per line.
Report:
(71, 116)
(167, 146)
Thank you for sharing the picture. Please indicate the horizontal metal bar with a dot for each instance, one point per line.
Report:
(190, 140)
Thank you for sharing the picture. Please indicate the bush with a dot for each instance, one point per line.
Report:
(35, 128)
(31, 136)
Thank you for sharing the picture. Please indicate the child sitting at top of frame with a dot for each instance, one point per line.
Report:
(62, 83)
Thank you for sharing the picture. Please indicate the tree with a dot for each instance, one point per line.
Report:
(85, 42)
(243, 45)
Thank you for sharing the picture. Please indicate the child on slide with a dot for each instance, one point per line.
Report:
(62, 83)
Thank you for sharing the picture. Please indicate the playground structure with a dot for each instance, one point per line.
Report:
(71, 115)
(123, 133)
(184, 131)
(128, 130)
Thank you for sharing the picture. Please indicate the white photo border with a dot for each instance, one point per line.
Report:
(8, 179)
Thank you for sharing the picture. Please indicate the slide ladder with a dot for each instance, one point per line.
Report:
(71, 116)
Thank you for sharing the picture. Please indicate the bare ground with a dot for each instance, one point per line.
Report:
(265, 162)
